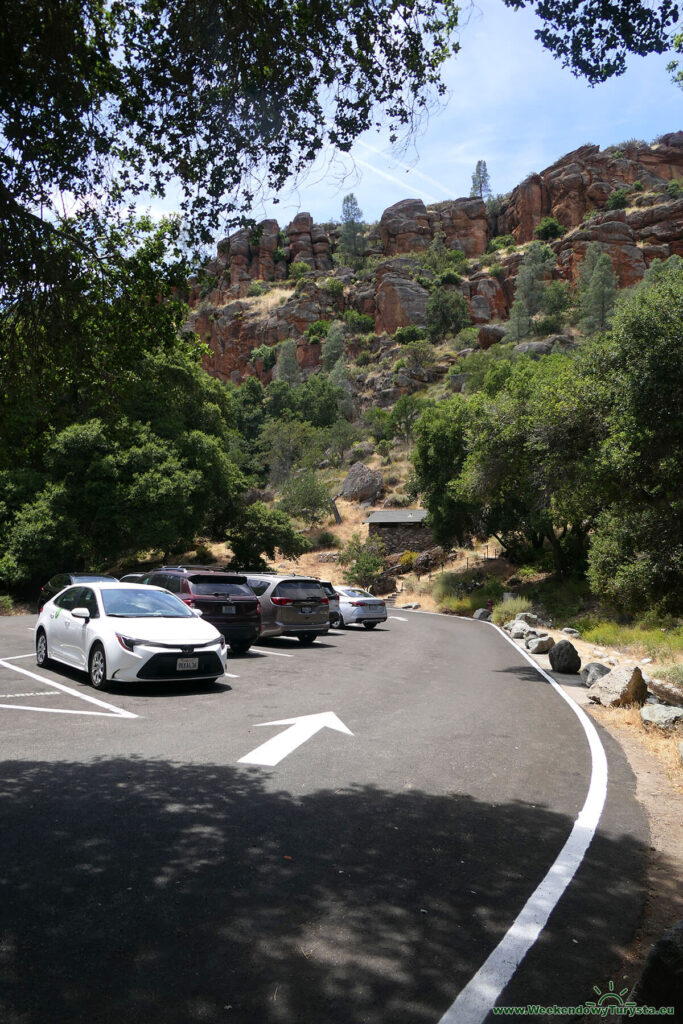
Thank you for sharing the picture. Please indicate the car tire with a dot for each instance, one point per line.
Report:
(369, 625)
(42, 655)
(239, 648)
(307, 638)
(335, 621)
(97, 667)
(340, 622)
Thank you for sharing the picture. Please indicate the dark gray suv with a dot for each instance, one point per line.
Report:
(291, 606)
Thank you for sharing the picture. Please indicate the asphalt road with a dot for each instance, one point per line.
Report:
(148, 874)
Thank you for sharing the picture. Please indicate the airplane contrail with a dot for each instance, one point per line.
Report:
(406, 167)
(396, 181)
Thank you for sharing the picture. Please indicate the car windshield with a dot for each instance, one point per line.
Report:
(217, 587)
(299, 590)
(356, 593)
(143, 604)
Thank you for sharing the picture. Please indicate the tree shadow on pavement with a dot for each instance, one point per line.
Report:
(150, 892)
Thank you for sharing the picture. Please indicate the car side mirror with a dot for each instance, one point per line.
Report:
(80, 613)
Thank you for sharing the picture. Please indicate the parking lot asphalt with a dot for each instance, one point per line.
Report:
(157, 868)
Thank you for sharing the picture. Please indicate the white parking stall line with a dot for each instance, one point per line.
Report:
(110, 711)
(278, 654)
(397, 618)
(18, 657)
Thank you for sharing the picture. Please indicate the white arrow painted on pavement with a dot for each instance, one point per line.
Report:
(300, 730)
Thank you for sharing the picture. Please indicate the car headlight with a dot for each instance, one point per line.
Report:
(127, 642)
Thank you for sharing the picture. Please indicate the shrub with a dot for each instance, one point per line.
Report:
(637, 186)
(384, 449)
(266, 353)
(549, 228)
(674, 189)
(333, 287)
(407, 560)
(501, 242)
(404, 335)
(400, 364)
(363, 359)
(327, 539)
(6, 604)
(317, 331)
(254, 290)
(498, 271)
(365, 561)
(448, 277)
(298, 270)
(446, 313)
(618, 200)
(359, 323)
(506, 610)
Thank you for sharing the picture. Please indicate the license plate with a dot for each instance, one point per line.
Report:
(306, 611)
(228, 609)
(187, 664)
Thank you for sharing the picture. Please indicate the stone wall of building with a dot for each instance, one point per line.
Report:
(402, 536)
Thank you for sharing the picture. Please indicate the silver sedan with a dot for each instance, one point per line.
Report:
(357, 607)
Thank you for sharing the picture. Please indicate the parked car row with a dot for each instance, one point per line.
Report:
(180, 620)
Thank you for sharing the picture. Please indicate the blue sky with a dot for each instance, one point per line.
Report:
(511, 104)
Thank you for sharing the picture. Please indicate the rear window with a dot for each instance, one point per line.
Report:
(299, 590)
(329, 590)
(212, 586)
(351, 592)
(258, 586)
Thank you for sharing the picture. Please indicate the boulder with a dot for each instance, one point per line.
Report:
(429, 559)
(534, 349)
(619, 687)
(519, 630)
(400, 302)
(362, 483)
(570, 631)
(591, 672)
(490, 335)
(661, 983)
(529, 617)
(668, 692)
(482, 613)
(658, 714)
(564, 658)
(540, 644)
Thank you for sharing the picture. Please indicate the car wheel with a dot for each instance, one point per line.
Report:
(97, 668)
(307, 638)
(340, 622)
(42, 656)
(369, 625)
(335, 621)
(239, 648)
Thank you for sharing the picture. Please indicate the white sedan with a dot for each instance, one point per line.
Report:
(356, 606)
(123, 632)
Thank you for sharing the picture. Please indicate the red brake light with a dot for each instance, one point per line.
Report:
(282, 600)
(325, 600)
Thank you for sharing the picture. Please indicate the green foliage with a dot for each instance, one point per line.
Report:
(481, 182)
(258, 531)
(446, 278)
(6, 604)
(618, 200)
(317, 330)
(404, 335)
(506, 610)
(334, 345)
(419, 355)
(549, 228)
(501, 242)
(306, 497)
(287, 369)
(674, 188)
(286, 443)
(266, 353)
(407, 560)
(405, 414)
(333, 287)
(327, 539)
(446, 312)
(530, 285)
(637, 186)
(359, 323)
(340, 438)
(255, 289)
(364, 561)
(298, 270)
(351, 247)
(364, 358)
(380, 424)
(384, 450)
(597, 293)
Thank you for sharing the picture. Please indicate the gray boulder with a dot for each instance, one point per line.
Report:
(570, 631)
(591, 672)
(658, 714)
(530, 617)
(564, 658)
(661, 983)
(362, 483)
(619, 687)
(482, 613)
(519, 630)
(540, 644)
(668, 692)
(534, 349)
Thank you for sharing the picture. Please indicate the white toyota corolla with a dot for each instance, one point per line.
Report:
(122, 632)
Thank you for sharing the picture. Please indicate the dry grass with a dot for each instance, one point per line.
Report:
(261, 305)
(662, 744)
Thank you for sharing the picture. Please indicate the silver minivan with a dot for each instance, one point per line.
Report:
(291, 606)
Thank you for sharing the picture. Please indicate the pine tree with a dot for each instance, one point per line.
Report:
(597, 298)
(351, 240)
(529, 289)
(481, 183)
(287, 365)
(333, 346)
